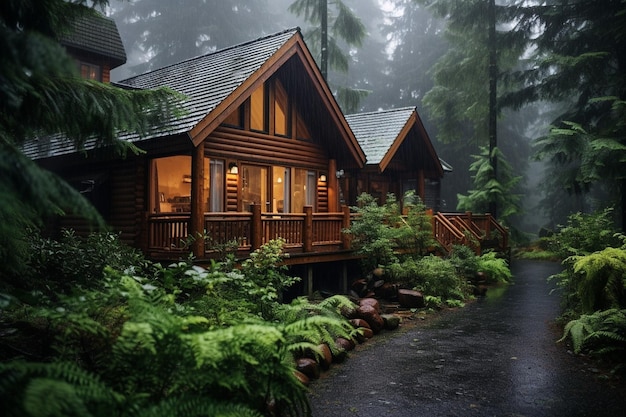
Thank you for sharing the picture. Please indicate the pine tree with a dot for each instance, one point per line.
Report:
(41, 94)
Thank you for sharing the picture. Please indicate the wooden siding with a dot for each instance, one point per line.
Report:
(248, 146)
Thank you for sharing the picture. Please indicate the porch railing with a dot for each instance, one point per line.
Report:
(304, 232)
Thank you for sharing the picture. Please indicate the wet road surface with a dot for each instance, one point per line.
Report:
(495, 357)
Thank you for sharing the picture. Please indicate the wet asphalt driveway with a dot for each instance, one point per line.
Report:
(495, 357)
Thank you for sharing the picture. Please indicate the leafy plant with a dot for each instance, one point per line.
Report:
(602, 333)
(495, 269)
(464, 260)
(586, 233)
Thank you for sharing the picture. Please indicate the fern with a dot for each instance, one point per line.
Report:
(600, 279)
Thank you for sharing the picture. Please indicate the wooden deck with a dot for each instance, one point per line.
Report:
(309, 237)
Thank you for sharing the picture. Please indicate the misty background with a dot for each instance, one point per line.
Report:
(394, 65)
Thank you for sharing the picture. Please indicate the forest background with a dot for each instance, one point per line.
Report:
(433, 54)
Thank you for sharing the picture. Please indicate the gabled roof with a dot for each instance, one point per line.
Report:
(380, 134)
(96, 34)
(217, 83)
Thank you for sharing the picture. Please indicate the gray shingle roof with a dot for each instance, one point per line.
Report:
(205, 80)
(209, 79)
(377, 131)
(97, 34)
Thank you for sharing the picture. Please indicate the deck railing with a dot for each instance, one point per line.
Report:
(309, 232)
(304, 232)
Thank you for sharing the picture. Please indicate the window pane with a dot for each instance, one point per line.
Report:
(280, 189)
(280, 110)
(216, 197)
(257, 109)
(171, 180)
(254, 188)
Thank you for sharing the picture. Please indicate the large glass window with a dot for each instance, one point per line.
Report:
(257, 109)
(254, 187)
(281, 116)
(304, 185)
(216, 196)
(281, 180)
(90, 71)
(170, 184)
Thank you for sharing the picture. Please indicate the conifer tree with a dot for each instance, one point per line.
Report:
(42, 94)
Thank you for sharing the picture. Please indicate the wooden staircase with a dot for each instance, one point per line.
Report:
(478, 231)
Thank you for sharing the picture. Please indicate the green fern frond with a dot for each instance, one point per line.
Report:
(197, 406)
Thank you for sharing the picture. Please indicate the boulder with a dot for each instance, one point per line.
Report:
(360, 323)
(370, 302)
(304, 380)
(391, 321)
(367, 333)
(372, 317)
(327, 357)
(308, 367)
(345, 344)
(410, 298)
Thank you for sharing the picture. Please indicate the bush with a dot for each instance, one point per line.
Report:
(435, 277)
(60, 266)
(585, 233)
(464, 260)
(496, 269)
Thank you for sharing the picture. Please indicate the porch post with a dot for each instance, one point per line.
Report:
(196, 226)
(256, 228)
(307, 230)
(333, 185)
(345, 224)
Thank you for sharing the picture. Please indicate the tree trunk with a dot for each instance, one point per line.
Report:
(493, 78)
(324, 36)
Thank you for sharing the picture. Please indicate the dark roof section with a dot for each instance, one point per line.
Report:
(381, 133)
(209, 79)
(216, 83)
(97, 34)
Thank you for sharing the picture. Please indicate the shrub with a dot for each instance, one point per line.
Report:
(464, 260)
(495, 269)
(585, 233)
(59, 266)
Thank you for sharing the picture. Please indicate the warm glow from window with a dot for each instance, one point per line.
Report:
(254, 187)
(90, 71)
(281, 124)
(257, 109)
(171, 184)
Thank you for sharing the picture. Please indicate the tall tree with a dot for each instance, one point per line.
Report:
(42, 94)
(330, 26)
(579, 62)
(463, 101)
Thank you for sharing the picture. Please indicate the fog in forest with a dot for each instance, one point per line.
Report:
(394, 64)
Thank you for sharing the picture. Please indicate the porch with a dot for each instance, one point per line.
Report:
(309, 237)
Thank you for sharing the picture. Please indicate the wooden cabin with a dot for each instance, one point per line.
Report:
(261, 152)
(399, 157)
(96, 45)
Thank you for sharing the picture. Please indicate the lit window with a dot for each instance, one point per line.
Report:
(90, 71)
(281, 125)
(257, 109)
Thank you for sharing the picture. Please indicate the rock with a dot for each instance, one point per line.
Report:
(308, 367)
(360, 323)
(370, 302)
(327, 356)
(372, 317)
(387, 291)
(367, 333)
(359, 286)
(348, 312)
(391, 321)
(410, 298)
(304, 380)
(344, 344)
